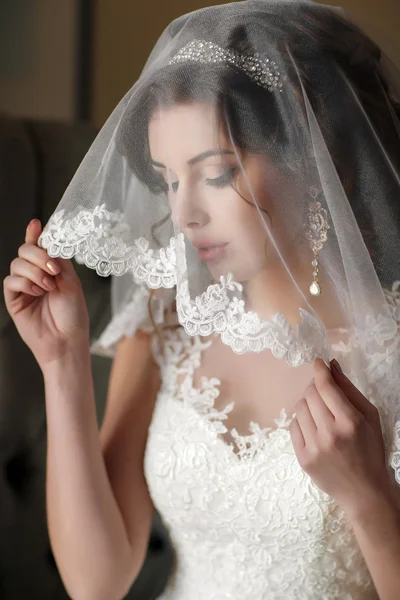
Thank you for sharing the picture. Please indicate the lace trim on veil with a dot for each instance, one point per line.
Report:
(96, 237)
(245, 331)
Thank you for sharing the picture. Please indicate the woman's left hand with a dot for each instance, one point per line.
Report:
(338, 441)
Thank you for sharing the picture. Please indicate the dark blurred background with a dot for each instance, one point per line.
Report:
(64, 65)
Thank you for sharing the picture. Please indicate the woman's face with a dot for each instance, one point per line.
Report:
(207, 187)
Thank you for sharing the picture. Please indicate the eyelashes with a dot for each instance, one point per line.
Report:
(224, 179)
(219, 182)
(166, 188)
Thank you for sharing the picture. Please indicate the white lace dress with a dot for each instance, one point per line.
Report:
(245, 520)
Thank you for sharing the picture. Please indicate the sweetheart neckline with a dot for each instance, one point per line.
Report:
(191, 349)
(247, 444)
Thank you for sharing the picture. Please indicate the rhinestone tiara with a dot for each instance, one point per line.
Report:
(263, 71)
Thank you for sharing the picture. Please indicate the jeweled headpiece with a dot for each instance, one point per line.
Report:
(263, 71)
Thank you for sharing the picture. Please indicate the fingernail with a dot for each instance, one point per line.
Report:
(336, 366)
(53, 267)
(34, 221)
(37, 289)
(49, 283)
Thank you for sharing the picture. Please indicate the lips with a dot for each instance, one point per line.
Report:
(210, 251)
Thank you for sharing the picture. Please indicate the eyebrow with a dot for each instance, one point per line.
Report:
(197, 158)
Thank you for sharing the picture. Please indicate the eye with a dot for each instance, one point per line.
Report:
(165, 186)
(224, 179)
(175, 186)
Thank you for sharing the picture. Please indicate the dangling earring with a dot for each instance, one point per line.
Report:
(316, 225)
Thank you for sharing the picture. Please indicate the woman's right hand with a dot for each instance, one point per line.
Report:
(50, 321)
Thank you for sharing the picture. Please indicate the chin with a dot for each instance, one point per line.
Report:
(241, 273)
(223, 268)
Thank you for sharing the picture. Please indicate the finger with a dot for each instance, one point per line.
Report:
(305, 420)
(297, 435)
(22, 268)
(39, 257)
(320, 412)
(14, 285)
(66, 268)
(337, 402)
(33, 230)
(358, 400)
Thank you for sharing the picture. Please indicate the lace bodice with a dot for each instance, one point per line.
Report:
(245, 520)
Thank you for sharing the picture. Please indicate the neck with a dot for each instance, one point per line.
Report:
(274, 290)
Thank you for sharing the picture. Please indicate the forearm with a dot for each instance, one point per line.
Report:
(377, 528)
(86, 527)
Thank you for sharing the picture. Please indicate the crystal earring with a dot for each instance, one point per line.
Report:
(316, 225)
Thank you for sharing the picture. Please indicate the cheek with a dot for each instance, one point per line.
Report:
(249, 241)
(255, 222)
(251, 224)
(242, 223)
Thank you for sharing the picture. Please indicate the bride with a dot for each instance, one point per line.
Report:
(244, 196)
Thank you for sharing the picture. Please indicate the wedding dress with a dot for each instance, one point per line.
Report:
(246, 522)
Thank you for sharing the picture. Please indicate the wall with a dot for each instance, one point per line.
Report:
(126, 30)
(38, 57)
(124, 33)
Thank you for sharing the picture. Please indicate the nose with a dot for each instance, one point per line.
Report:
(188, 211)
